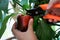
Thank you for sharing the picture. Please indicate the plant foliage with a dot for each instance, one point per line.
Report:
(42, 29)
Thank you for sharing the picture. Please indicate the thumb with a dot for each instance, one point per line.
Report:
(30, 25)
(51, 3)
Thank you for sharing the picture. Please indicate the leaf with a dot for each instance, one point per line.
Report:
(32, 1)
(3, 27)
(14, 1)
(0, 16)
(25, 4)
(44, 31)
(35, 22)
(4, 5)
(26, 7)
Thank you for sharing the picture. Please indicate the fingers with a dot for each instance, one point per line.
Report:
(51, 3)
(14, 29)
(30, 25)
(14, 26)
(50, 20)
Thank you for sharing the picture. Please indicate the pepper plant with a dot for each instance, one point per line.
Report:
(42, 29)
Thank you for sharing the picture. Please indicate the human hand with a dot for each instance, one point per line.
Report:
(28, 35)
(52, 3)
(53, 11)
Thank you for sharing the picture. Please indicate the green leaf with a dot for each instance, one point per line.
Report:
(14, 1)
(32, 1)
(35, 22)
(0, 16)
(4, 5)
(26, 7)
(44, 31)
(3, 27)
(25, 4)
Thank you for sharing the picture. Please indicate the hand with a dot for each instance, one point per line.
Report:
(28, 35)
(52, 10)
(52, 3)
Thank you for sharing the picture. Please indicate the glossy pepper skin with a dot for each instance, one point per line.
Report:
(22, 22)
